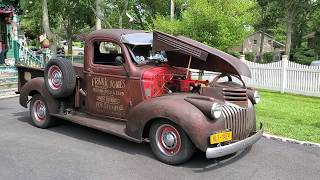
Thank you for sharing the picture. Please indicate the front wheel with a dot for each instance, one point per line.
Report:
(169, 143)
(39, 112)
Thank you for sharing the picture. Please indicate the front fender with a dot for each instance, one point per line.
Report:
(36, 85)
(176, 109)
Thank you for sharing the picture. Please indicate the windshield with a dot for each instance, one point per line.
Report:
(143, 54)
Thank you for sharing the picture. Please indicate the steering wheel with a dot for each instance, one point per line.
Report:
(215, 80)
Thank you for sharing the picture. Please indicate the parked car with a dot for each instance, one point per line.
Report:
(315, 63)
(77, 51)
(38, 51)
(137, 86)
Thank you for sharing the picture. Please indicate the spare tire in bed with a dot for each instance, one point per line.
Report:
(59, 77)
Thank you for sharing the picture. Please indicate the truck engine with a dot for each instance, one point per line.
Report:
(166, 80)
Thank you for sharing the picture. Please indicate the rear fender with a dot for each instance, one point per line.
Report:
(34, 86)
(185, 115)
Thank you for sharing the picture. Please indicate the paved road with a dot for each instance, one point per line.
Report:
(70, 151)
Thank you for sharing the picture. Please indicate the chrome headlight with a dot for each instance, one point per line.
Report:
(216, 111)
(256, 97)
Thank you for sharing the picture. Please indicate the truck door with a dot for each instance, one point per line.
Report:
(107, 81)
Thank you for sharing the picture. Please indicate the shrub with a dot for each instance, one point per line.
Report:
(249, 56)
(267, 57)
(303, 56)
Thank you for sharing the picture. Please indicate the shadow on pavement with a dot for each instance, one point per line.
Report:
(23, 116)
(92, 136)
(199, 163)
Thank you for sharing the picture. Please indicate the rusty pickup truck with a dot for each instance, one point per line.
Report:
(139, 86)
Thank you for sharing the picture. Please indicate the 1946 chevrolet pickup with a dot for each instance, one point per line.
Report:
(138, 85)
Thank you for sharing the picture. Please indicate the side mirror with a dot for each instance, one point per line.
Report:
(119, 60)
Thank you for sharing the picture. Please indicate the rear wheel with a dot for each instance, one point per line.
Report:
(39, 112)
(169, 143)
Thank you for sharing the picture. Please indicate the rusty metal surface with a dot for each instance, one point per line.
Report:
(78, 68)
(116, 93)
(176, 109)
(36, 85)
(197, 125)
(203, 57)
(34, 72)
(117, 81)
(109, 126)
(228, 92)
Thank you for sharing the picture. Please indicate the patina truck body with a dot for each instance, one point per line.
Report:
(137, 85)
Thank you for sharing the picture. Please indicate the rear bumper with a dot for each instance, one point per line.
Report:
(234, 147)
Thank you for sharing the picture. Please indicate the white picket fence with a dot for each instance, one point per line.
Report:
(285, 76)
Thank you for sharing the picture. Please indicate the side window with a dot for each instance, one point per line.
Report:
(105, 53)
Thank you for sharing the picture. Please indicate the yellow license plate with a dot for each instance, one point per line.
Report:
(221, 137)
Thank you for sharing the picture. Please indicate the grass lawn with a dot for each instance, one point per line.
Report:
(291, 116)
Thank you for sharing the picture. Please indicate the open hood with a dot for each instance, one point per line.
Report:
(179, 49)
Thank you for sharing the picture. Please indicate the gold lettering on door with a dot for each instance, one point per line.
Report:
(108, 95)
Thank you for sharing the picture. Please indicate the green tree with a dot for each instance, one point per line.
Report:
(219, 23)
(294, 9)
(314, 25)
(70, 22)
(287, 20)
(146, 11)
(60, 18)
(112, 13)
(268, 11)
(31, 18)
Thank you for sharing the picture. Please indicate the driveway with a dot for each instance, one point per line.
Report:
(70, 151)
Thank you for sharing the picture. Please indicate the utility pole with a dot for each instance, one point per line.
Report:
(172, 9)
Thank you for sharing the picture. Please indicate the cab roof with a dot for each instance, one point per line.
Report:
(112, 33)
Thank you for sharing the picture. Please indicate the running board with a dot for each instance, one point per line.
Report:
(114, 127)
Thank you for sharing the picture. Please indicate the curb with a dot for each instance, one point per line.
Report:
(292, 141)
(6, 90)
(9, 96)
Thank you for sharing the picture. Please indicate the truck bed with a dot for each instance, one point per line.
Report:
(26, 73)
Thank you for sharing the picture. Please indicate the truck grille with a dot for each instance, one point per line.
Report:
(236, 96)
(241, 121)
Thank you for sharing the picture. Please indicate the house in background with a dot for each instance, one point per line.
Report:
(310, 38)
(251, 44)
(8, 30)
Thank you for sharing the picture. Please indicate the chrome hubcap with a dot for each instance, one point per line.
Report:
(55, 77)
(39, 110)
(168, 140)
